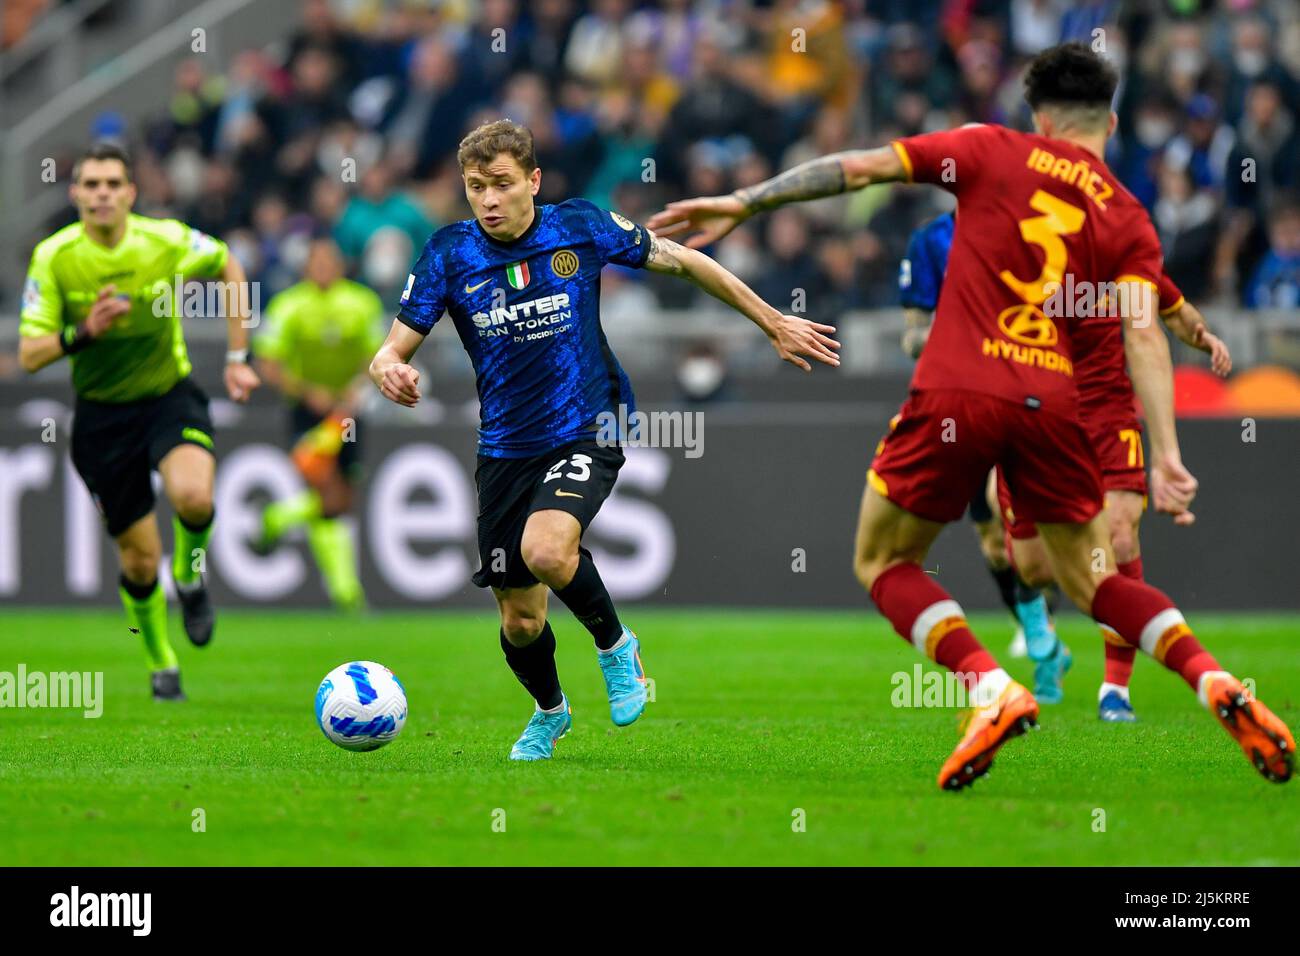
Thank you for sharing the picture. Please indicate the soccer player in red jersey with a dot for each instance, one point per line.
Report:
(1109, 416)
(995, 386)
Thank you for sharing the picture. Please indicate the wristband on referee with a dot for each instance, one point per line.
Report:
(74, 338)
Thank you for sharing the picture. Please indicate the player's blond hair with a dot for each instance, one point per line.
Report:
(490, 140)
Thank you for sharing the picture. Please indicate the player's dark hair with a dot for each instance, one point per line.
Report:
(105, 149)
(1070, 75)
(490, 140)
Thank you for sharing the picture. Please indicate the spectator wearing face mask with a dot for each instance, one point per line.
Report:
(1185, 62)
(1253, 62)
(1153, 128)
(702, 375)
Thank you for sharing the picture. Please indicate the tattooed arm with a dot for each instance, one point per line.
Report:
(824, 176)
(790, 336)
(712, 217)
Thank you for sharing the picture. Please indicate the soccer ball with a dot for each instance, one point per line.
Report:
(361, 705)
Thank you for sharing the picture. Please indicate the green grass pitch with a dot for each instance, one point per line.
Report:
(757, 715)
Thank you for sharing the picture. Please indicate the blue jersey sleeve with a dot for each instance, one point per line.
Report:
(618, 240)
(425, 296)
(919, 277)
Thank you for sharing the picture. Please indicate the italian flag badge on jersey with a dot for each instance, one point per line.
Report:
(517, 274)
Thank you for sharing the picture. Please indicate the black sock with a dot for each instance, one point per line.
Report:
(199, 528)
(1025, 593)
(534, 665)
(137, 591)
(590, 603)
(1052, 594)
(1007, 581)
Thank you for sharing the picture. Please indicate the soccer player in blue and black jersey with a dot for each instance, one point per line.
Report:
(522, 285)
(920, 277)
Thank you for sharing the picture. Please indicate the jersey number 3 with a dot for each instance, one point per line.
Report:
(1058, 219)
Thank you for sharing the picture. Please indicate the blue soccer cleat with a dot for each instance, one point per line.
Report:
(1114, 708)
(537, 742)
(1049, 674)
(1040, 635)
(624, 679)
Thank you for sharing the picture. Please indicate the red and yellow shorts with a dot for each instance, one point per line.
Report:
(943, 442)
(1118, 443)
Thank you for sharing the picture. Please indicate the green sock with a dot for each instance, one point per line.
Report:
(148, 615)
(190, 550)
(331, 543)
(282, 516)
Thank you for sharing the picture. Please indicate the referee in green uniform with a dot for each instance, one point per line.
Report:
(315, 347)
(102, 291)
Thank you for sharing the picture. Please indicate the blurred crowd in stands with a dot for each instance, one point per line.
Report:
(352, 127)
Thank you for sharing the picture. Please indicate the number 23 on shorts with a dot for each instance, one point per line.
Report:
(581, 464)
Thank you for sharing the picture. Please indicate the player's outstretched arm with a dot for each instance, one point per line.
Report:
(390, 369)
(240, 379)
(790, 335)
(1188, 324)
(1147, 352)
(709, 218)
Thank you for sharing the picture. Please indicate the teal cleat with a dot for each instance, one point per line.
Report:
(624, 679)
(1116, 709)
(1040, 635)
(537, 742)
(1048, 675)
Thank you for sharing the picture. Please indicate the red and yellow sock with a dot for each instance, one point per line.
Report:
(925, 614)
(1144, 617)
(1120, 654)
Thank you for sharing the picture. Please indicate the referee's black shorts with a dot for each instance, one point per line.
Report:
(116, 445)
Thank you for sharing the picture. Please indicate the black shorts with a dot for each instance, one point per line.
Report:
(576, 478)
(116, 445)
(978, 509)
(302, 420)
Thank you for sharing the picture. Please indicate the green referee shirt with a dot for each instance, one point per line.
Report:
(142, 354)
(323, 337)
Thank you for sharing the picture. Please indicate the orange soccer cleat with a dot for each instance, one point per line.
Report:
(1266, 741)
(988, 728)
